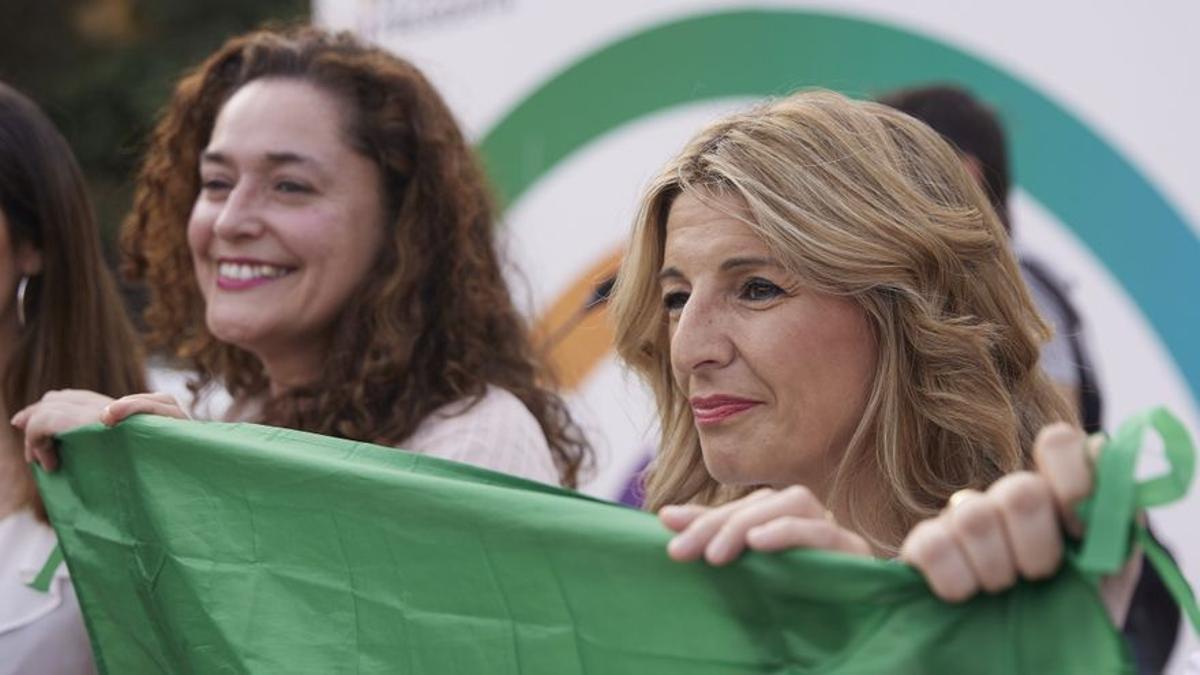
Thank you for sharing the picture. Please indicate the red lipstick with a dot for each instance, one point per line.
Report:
(710, 410)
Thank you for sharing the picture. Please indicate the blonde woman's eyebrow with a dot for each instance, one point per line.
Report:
(670, 273)
(733, 264)
(730, 265)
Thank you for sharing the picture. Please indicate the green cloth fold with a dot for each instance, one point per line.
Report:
(206, 547)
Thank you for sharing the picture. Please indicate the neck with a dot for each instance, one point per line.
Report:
(16, 484)
(291, 369)
(16, 480)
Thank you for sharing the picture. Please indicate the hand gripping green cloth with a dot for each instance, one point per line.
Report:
(218, 548)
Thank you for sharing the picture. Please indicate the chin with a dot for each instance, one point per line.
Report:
(237, 333)
(725, 469)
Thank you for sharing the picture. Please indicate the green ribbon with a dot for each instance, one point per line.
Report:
(1111, 511)
(42, 582)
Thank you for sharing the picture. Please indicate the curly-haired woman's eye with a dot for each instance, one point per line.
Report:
(215, 185)
(760, 290)
(292, 187)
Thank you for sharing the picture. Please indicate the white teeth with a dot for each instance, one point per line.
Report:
(243, 272)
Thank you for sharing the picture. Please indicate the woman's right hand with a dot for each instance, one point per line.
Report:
(154, 403)
(60, 411)
(56, 412)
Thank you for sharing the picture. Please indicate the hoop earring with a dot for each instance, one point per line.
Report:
(21, 286)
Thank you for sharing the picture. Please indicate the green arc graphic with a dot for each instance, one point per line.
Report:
(1083, 181)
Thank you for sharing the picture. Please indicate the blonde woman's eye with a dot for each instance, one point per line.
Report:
(760, 290)
(673, 302)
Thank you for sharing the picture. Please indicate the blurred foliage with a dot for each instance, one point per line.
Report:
(102, 69)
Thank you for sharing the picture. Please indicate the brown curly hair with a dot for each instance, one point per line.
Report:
(433, 321)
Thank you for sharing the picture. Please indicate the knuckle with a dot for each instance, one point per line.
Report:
(824, 534)
(1022, 493)
(956, 591)
(999, 579)
(1041, 569)
(1075, 491)
(975, 519)
(711, 520)
(928, 543)
(1057, 435)
(799, 496)
(742, 519)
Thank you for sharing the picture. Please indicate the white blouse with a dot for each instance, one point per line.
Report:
(497, 433)
(39, 632)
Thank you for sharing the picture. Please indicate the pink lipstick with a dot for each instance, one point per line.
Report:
(238, 274)
(710, 410)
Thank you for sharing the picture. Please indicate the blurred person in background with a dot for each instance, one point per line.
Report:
(316, 236)
(62, 325)
(977, 134)
(844, 355)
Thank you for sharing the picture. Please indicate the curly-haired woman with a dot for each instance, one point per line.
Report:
(316, 236)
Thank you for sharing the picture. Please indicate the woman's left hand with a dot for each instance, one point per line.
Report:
(765, 520)
(987, 540)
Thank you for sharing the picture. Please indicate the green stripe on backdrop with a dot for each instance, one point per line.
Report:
(1081, 179)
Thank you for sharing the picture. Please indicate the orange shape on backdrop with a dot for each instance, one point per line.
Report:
(574, 339)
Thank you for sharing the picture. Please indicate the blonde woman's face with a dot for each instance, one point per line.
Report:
(777, 374)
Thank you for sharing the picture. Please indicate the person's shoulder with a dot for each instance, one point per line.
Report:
(1040, 275)
(497, 407)
(1050, 292)
(495, 431)
(500, 401)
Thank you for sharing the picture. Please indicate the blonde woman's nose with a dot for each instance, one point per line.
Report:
(700, 338)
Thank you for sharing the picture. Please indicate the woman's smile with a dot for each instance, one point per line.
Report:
(243, 274)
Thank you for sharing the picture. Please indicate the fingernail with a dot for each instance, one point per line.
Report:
(717, 553)
(676, 547)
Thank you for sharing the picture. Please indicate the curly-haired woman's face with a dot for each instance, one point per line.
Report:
(777, 374)
(288, 222)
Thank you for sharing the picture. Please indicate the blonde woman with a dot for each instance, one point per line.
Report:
(839, 342)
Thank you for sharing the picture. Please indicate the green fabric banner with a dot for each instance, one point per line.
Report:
(212, 548)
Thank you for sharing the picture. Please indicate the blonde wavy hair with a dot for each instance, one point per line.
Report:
(864, 202)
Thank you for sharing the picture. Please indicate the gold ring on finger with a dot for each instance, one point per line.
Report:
(963, 495)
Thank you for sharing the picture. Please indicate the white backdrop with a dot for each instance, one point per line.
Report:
(1125, 71)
